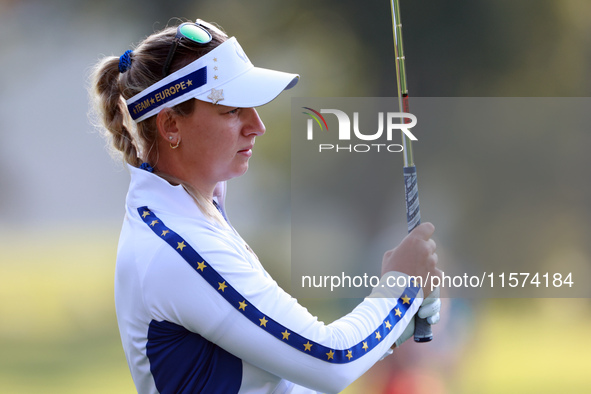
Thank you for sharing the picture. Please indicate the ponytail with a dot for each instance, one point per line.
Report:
(112, 110)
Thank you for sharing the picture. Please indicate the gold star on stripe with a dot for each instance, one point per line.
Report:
(215, 68)
(215, 59)
(181, 245)
(152, 101)
(405, 299)
(397, 312)
(364, 347)
(189, 82)
(153, 223)
(264, 321)
(378, 336)
(330, 355)
(349, 354)
(285, 335)
(388, 325)
(146, 213)
(164, 232)
(223, 285)
(242, 305)
(215, 77)
(201, 266)
(308, 346)
(414, 282)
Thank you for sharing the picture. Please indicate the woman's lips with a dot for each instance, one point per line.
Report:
(246, 152)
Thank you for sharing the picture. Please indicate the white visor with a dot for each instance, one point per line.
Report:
(224, 76)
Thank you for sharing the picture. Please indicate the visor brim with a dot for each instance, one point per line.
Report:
(253, 88)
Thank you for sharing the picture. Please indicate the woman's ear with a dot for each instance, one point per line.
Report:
(166, 121)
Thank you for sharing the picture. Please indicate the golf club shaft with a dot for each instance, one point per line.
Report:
(423, 331)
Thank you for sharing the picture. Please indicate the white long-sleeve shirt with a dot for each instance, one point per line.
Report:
(198, 313)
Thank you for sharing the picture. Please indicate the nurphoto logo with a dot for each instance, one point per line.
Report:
(393, 121)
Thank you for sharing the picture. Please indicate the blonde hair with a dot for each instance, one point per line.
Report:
(110, 88)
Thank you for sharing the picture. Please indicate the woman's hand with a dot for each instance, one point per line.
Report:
(415, 256)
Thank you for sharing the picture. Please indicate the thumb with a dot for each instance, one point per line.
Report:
(424, 231)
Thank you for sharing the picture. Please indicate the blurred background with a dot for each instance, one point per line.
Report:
(62, 196)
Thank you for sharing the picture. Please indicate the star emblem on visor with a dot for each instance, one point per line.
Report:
(216, 95)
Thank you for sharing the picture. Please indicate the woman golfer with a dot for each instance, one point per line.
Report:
(197, 311)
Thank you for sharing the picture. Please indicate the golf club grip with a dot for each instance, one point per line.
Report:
(423, 331)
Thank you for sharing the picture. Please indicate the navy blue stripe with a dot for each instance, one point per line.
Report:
(182, 361)
(168, 92)
(282, 333)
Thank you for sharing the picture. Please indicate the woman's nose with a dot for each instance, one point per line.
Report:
(253, 123)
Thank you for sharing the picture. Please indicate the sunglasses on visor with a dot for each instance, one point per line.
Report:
(193, 31)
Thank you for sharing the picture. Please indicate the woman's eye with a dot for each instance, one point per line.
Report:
(234, 111)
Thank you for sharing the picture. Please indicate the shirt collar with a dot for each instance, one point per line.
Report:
(148, 189)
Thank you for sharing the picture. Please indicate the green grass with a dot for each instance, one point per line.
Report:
(91, 363)
(59, 332)
(540, 347)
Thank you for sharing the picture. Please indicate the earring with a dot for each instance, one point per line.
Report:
(170, 137)
(177, 143)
